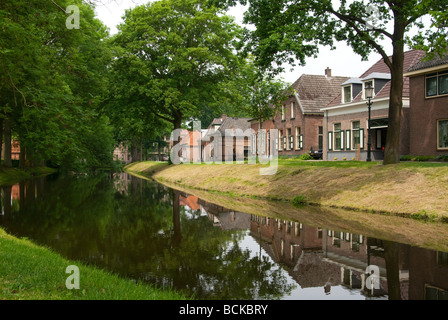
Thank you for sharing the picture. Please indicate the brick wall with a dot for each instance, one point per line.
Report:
(346, 124)
(424, 114)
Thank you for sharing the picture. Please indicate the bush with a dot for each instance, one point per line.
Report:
(423, 158)
(299, 200)
(305, 157)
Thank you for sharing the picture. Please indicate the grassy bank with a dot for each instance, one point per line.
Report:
(28, 271)
(405, 189)
(13, 175)
(31, 272)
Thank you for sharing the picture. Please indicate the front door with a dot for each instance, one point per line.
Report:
(381, 135)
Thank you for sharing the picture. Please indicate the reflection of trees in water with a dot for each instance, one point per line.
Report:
(136, 231)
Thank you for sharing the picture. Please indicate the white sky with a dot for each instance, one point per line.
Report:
(342, 61)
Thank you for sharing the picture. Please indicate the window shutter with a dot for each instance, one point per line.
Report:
(348, 140)
(342, 140)
(361, 138)
(330, 140)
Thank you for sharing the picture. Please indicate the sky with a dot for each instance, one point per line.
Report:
(342, 61)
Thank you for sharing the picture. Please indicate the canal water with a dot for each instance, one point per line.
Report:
(148, 232)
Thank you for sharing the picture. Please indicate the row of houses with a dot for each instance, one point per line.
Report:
(329, 113)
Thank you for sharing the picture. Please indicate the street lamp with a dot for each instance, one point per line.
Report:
(369, 95)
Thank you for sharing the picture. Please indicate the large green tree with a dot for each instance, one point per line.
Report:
(51, 82)
(291, 30)
(178, 51)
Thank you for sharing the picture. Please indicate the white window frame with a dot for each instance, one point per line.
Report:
(343, 93)
(438, 135)
(293, 115)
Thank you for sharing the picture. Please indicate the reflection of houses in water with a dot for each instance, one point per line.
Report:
(317, 257)
(224, 218)
(353, 253)
(432, 284)
(190, 201)
(121, 182)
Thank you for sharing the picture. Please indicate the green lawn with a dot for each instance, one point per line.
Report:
(31, 272)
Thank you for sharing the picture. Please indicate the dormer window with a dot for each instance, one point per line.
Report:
(347, 94)
(350, 89)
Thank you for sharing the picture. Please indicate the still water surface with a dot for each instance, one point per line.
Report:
(148, 232)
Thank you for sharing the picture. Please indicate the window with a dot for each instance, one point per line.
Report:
(442, 134)
(356, 125)
(321, 137)
(254, 143)
(347, 94)
(283, 113)
(338, 137)
(437, 84)
(291, 140)
(293, 114)
(280, 140)
(298, 133)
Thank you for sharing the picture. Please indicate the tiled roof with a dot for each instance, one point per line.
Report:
(424, 64)
(234, 123)
(315, 91)
(411, 58)
(228, 123)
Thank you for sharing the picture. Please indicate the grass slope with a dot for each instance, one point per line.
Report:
(409, 189)
(31, 272)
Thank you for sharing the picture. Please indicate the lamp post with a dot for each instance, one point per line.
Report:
(369, 96)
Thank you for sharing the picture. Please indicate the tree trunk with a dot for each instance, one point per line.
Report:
(176, 237)
(134, 151)
(392, 150)
(7, 139)
(392, 259)
(1, 139)
(22, 158)
(177, 124)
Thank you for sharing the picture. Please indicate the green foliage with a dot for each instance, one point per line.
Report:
(176, 53)
(258, 93)
(299, 201)
(52, 81)
(424, 158)
(305, 157)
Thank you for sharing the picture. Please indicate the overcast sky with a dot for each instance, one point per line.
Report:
(342, 61)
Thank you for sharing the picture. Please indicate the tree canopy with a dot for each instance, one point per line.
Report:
(178, 52)
(51, 83)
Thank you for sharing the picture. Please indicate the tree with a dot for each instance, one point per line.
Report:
(51, 83)
(178, 52)
(261, 94)
(292, 30)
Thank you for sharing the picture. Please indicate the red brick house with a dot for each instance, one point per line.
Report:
(300, 120)
(234, 140)
(429, 107)
(346, 122)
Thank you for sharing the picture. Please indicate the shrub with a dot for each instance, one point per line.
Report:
(299, 200)
(305, 157)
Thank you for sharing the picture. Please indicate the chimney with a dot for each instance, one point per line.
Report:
(328, 72)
